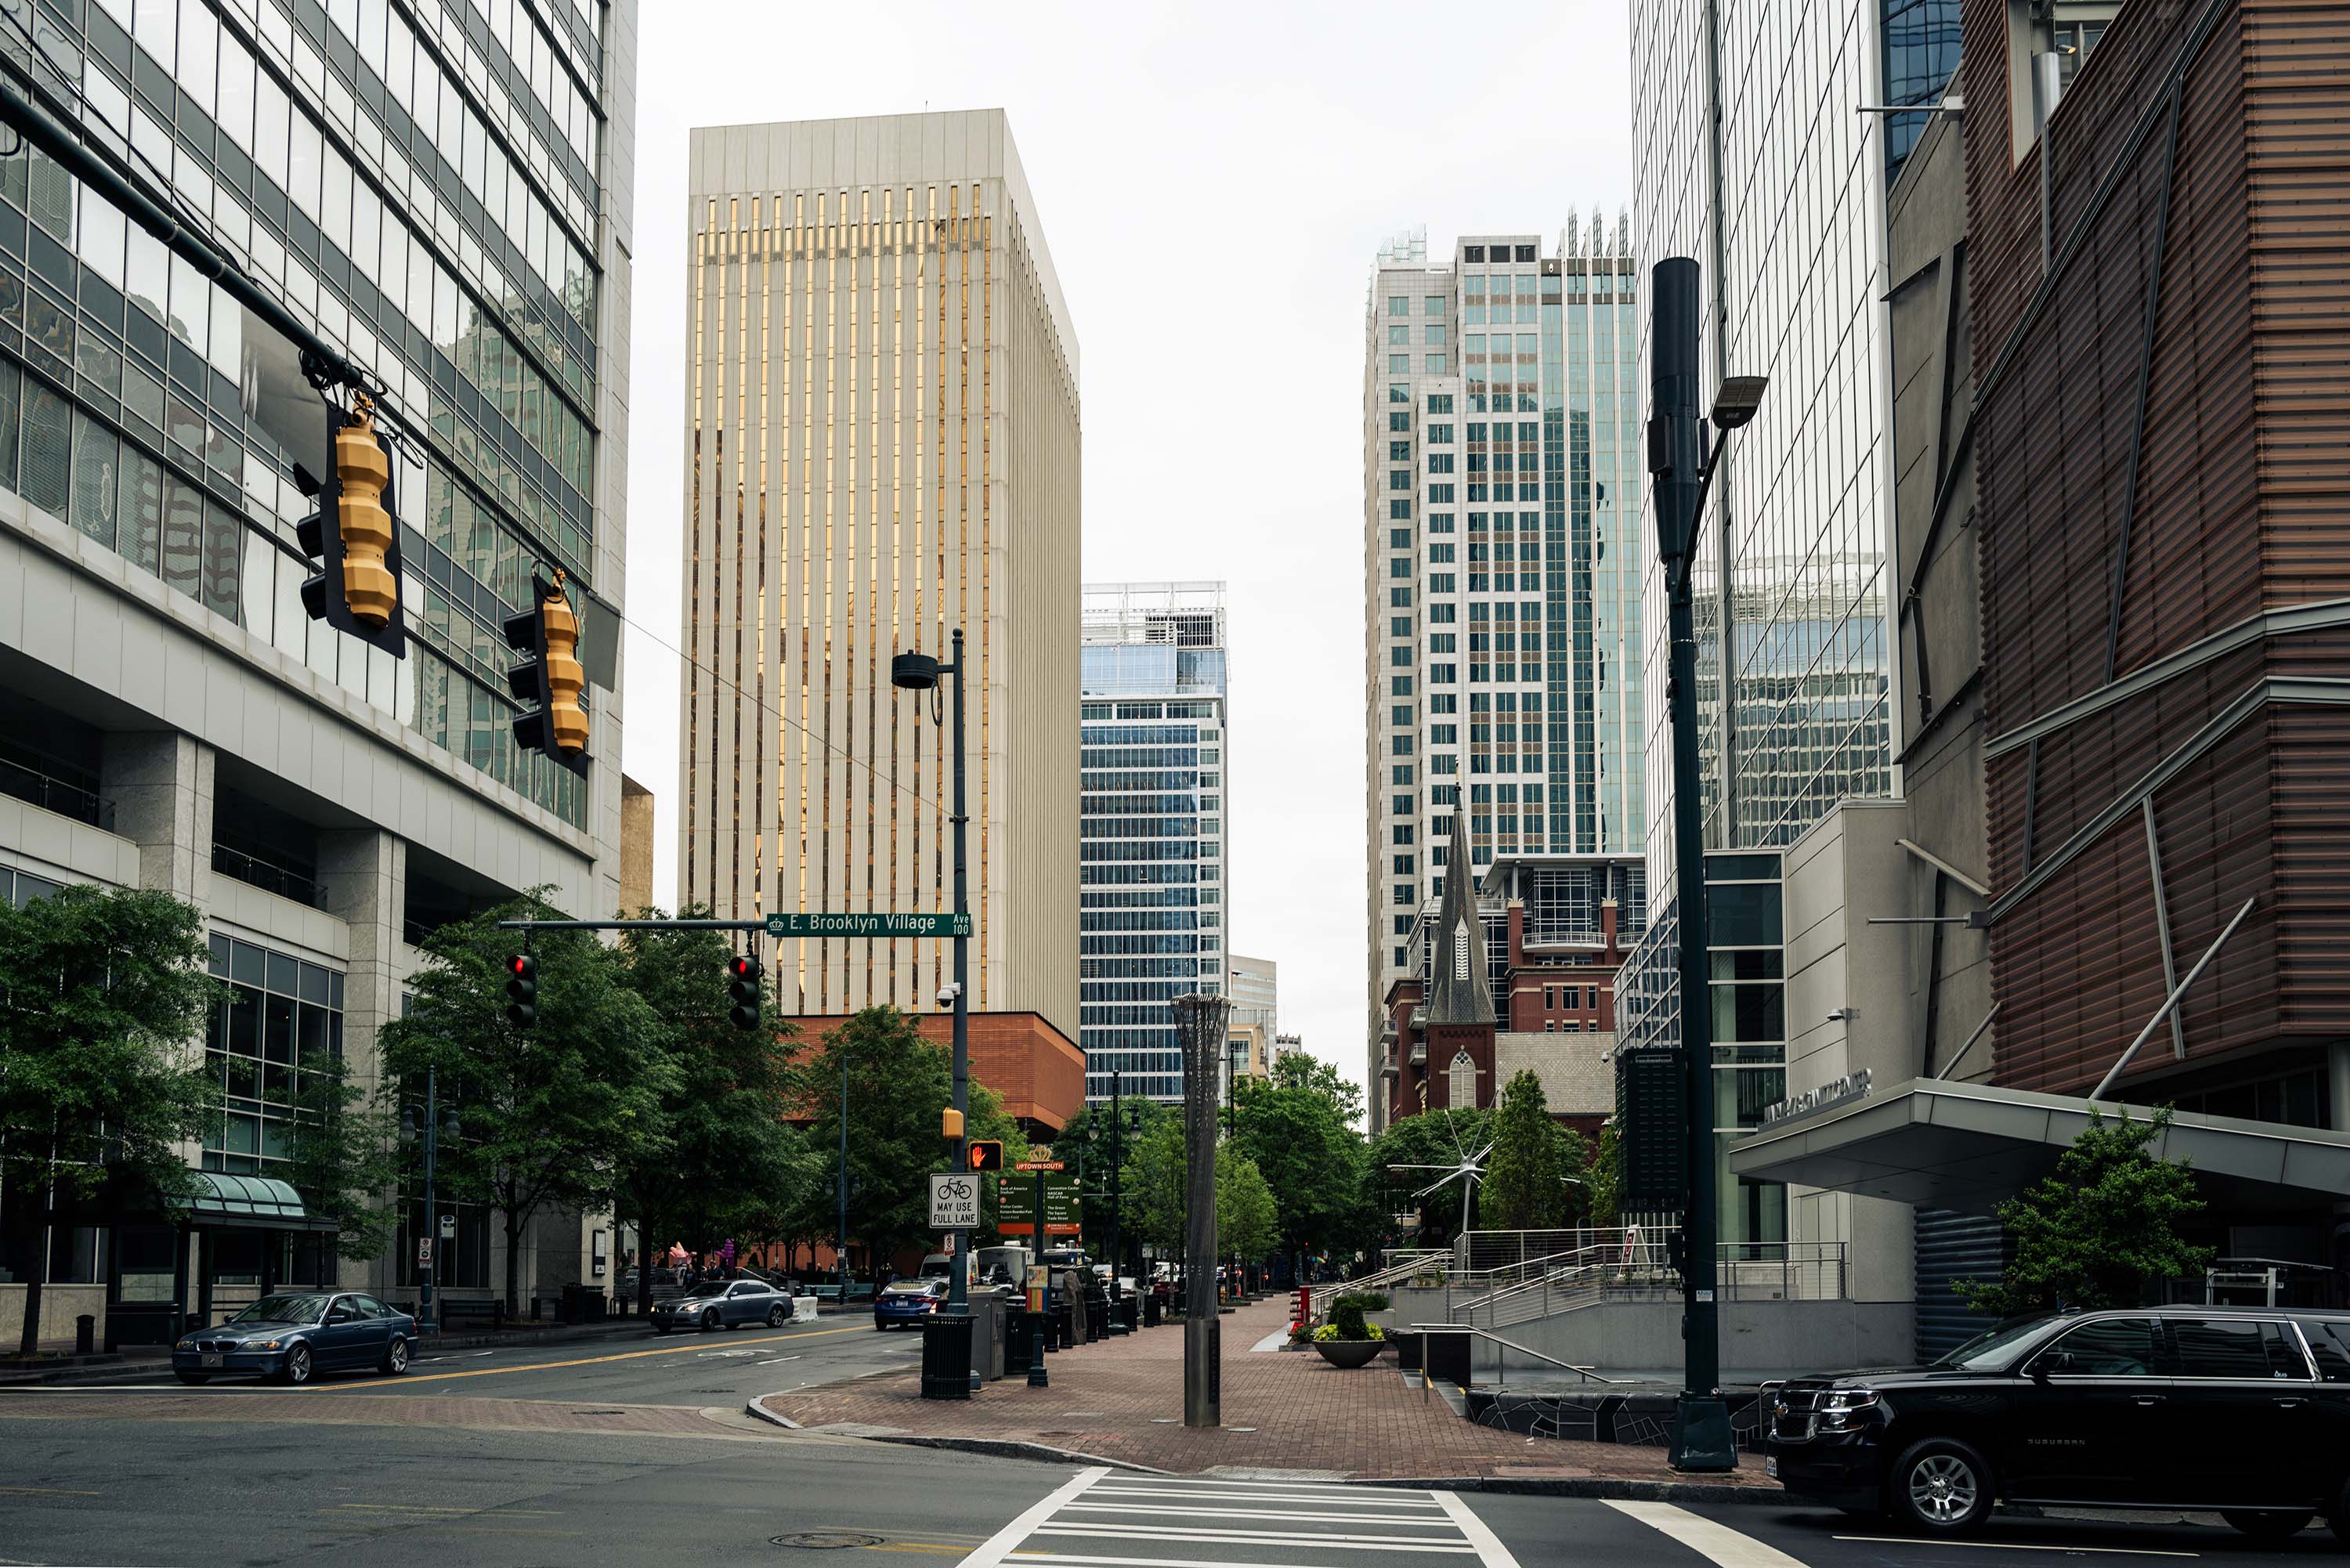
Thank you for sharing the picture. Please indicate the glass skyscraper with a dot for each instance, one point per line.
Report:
(1152, 816)
(1502, 484)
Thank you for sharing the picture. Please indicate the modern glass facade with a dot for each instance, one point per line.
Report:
(1152, 815)
(1921, 51)
(1502, 474)
(415, 178)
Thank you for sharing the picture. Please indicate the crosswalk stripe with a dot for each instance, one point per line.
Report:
(1488, 1545)
(1349, 1499)
(1717, 1542)
(1332, 1488)
(1078, 1560)
(992, 1550)
(1180, 1535)
(1433, 1521)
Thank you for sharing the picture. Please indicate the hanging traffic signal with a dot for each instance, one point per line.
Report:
(986, 1154)
(355, 588)
(522, 991)
(743, 991)
(551, 682)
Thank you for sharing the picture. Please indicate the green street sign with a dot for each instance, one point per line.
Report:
(1015, 1204)
(872, 925)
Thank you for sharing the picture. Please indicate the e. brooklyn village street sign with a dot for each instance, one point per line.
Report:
(872, 925)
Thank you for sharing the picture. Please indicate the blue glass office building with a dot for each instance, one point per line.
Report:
(1151, 843)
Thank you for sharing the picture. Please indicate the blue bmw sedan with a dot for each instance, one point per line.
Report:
(293, 1336)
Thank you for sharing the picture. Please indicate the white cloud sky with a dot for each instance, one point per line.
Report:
(1213, 181)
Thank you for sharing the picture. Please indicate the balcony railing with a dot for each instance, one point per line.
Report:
(30, 785)
(281, 880)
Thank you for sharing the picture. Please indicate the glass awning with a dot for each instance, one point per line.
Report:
(219, 1199)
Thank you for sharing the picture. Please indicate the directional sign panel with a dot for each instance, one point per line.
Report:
(1016, 1207)
(955, 1200)
(868, 925)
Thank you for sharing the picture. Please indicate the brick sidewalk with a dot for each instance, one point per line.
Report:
(1122, 1399)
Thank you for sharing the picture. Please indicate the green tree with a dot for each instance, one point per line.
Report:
(1153, 1183)
(555, 1116)
(900, 1085)
(1605, 1175)
(726, 1164)
(103, 996)
(1526, 1177)
(1438, 1138)
(1244, 1207)
(1086, 1146)
(1297, 1070)
(341, 1156)
(2099, 1230)
(1294, 1127)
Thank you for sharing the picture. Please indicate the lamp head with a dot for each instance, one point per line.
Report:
(1736, 400)
(913, 671)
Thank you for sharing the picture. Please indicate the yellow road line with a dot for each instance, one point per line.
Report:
(415, 1378)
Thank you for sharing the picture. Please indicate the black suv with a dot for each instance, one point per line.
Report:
(2243, 1411)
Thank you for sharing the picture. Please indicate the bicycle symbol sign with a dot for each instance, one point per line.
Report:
(954, 1201)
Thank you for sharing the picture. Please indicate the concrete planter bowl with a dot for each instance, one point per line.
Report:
(1349, 1353)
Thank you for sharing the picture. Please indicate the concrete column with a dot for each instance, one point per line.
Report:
(364, 874)
(161, 785)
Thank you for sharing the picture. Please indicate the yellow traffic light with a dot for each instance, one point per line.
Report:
(362, 469)
(567, 681)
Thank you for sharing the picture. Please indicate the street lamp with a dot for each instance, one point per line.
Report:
(1682, 461)
(1199, 1026)
(920, 672)
(437, 1125)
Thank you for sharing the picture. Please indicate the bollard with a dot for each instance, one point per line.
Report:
(1037, 1375)
(85, 1335)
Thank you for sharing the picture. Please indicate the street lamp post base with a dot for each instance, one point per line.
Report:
(1702, 1442)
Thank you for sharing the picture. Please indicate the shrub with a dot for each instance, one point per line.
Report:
(1346, 1314)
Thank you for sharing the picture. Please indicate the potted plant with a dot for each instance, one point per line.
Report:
(1347, 1340)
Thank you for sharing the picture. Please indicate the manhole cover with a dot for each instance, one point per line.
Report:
(824, 1539)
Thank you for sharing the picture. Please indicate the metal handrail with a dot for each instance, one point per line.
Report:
(1585, 1373)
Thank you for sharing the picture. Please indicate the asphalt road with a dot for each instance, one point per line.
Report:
(92, 1476)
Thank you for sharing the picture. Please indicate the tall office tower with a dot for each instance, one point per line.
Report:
(1752, 156)
(881, 447)
(1502, 476)
(1155, 784)
(1254, 986)
(441, 188)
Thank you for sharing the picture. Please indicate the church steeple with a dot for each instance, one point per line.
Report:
(1460, 992)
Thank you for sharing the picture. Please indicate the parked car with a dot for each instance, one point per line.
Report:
(293, 1336)
(904, 1301)
(2243, 1412)
(723, 1304)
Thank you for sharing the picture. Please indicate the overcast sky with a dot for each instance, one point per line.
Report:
(1213, 181)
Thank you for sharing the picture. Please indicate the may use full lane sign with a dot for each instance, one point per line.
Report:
(955, 1200)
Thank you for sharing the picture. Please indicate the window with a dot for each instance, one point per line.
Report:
(2236, 1348)
(1403, 833)
(1400, 508)
(1440, 674)
(1440, 614)
(1401, 657)
(1439, 434)
(1473, 253)
(1441, 641)
(1399, 539)
(1400, 745)
(1399, 716)
(1444, 703)
(1399, 418)
(1432, 335)
(1550, 998)
(1433, 305)
(1400, 598)
(1398, 451)
(1400, 304)
(1403, 864)
(1399, 685)
(1440, 402)
(1526, 254)
(1435, 363)
(1398, 364)
(1401, 625)
(1399, 392)
(1399, 337)
(1443, 734)
(1440, 521)
(1398, 565)
(1461, 1083)
(2117, 1347)
(1439, 462)
(1401, 804)
(1439, 495)
(1441, 553)
(1399, 774)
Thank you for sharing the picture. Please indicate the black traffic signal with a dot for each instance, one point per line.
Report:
(986, 1154)
(550, 682)
(743, 991)
(522, 991)
(355, 588)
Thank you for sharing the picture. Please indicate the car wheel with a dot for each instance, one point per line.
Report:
(661, 1328)
(710, 1320)
(2269, 1523)
(395, 1358)
(297, 1366)
(194, 1379)
(775, 1316)
(1942, 1486)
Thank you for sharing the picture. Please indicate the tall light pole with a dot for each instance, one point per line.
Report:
(1200, 1028)
(1681, 470)
(427, 1320)
(920, 672)
(1116, 1171)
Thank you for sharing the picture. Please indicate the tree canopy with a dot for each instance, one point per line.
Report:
(1244, 1206)
(1295, 1128)
(556, 1115)
(1527, 1177)
(1433, 1138)
(103, 1000)
(2101, 1230)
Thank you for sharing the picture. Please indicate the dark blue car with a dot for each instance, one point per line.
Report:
(293, 1336)
(906, 1301)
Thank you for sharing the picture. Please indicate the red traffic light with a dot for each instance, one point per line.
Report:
(521, 965)
(742, 968)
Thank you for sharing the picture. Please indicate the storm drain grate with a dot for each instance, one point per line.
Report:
(824, 1539)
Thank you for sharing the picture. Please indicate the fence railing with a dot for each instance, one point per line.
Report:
(277, 879)
(1635, 1266)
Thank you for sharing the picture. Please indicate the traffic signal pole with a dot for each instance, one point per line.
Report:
(957, 1294)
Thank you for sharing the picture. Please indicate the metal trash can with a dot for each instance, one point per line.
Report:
(1150, 1312)
(1015, 1344)
(946, 1358)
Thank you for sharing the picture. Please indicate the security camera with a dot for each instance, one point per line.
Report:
(948, 992)
(1840, 1015)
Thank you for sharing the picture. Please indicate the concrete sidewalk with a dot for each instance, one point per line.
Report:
(1121, 1401)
